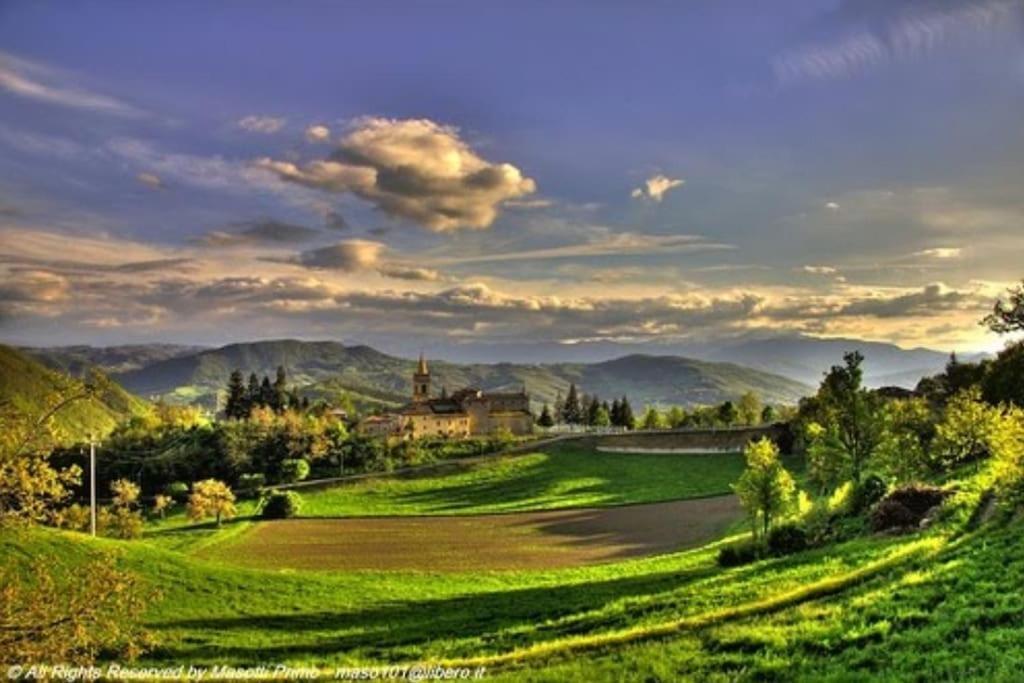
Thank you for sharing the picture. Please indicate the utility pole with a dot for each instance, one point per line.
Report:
(92, 485)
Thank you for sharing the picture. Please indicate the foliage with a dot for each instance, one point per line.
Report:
(281, 505)
(652, 419)
(250, 482)
(749, 408)
(765, 488)
(211, 498)
(966, 429)
(737, 554)
(161, 504)
(1008, 316)
(74, 517)
(126, 494)
(871, 490)
(1004, 376)
(727, 414)
(1007, 443)
(70, 617)
(572, 412)
(119, 522)
(903, 451)
(178, 490)
(786, 539)
(905, 507)
(545, 419)
(293, 470)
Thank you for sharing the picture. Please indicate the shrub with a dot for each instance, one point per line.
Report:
(294, 469)
(870, 491)
(249, 484)
(787, 539)
(905, 507)
(75, 517)
(737, 554)
(178, 490)
(281, 505)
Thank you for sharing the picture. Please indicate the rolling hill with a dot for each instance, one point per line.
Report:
(26, 384)
(75, 360)
(326, 369)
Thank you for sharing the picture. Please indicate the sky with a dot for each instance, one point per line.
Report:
(448, 174)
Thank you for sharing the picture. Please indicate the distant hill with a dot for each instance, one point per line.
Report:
(369, 377)
(26, 383)
(76, 360)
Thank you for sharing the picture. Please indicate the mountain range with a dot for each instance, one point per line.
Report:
(330, 369)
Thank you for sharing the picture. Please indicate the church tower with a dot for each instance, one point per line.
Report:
(421, 382)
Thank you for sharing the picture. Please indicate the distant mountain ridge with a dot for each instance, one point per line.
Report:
(326, 369)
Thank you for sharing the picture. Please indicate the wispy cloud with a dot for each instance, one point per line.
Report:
(261, 124)
(34, 81)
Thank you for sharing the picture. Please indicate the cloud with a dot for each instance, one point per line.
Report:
(820, 270)
(35, 286)
(655, 187)
(35, 81)
(930, 300)
(528, 203)
(832, 206)
(150, 180)
(866, 36)
(607, 244)
(261, 124)
(347, 256)
(265, 231)
(939, 253)
(403, 272)
(318, 133)
(414, 169)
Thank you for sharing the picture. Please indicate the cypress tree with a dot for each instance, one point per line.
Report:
(235, 406)
(279, 396)
(626, 414)
(545, 419)
(571, 412)
(252, 394)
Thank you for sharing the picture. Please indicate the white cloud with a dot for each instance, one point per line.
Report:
(655, 187)
(261, 124)
(832, 206)
(820, 270)
(940, 253)
(41, 83)
(414, 169)
(150, 180)
(318, 133)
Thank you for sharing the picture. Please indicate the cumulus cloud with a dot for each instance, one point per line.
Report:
(150, 180)
(414, 169)
(404, 272)
(347, 256)
(261, 124)
(655, 187)
(35, 81)
(265, 231)
(318, 133)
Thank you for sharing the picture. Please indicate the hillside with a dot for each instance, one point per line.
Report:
(326, 369)
(26, 384)
(75, 360)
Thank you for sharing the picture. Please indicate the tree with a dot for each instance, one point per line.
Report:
(279, 396)
(768, 415)
(602, 418)
(237, 405)
(126, 494)
(572, 413)
(1008, 317)
(160, 505)
(293, 470)
(727, 414)
(1004, 377)
(626, 418)
(907, 432)
(593, 407)
(652, 418)
(849, 423)
(266, 393)
(676, 417)
(966, 430)
(545, 419)
(765, 489)
(559, 409)
(252, 393)
(749, 408)
(211, 498)
(616, 413)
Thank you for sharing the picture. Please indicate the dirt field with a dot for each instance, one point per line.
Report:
(533, 540)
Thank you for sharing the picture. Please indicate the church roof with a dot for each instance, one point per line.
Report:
(422, 368)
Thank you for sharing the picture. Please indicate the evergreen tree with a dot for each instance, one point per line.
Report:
(236, 406)
(593, 408)
(559, 410)
(545, 419)
(727, 414)
(626, 414)
(572, 413)
(266, 392)
(768, 415)
(279, 395)
(252, 393)
(305, 403)
(615, 412)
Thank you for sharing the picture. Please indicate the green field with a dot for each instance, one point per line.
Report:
(929, 606)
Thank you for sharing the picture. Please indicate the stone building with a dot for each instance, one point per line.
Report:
(466, 412)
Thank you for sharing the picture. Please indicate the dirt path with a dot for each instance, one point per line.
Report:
(529, 540)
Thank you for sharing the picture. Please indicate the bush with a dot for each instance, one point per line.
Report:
(281, 505)
(904, 508)
(737, 554)
(293, 470)
(787, 539)
(870, 491)
(74, 517)
(249, 484)
(178, 490)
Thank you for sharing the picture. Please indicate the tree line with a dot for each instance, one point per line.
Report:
(242, 398)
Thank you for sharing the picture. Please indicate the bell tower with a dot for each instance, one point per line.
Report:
(421, 382)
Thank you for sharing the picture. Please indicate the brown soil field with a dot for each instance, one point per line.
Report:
(530, 540)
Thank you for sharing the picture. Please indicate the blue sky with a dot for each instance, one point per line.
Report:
(494, 172)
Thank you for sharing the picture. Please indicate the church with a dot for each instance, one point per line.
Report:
(466, 412)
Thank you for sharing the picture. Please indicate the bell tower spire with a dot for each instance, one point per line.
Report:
(421, 381)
